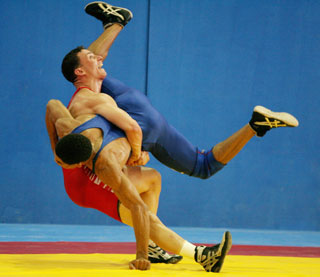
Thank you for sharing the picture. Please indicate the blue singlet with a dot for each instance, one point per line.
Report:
(161, 139)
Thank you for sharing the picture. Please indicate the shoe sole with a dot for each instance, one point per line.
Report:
(101, 2)
(286, 118)
(226, 246)
(172, 260)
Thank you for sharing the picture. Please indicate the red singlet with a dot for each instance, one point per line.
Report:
(86, 190)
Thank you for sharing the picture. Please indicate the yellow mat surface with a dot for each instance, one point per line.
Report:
(113, 265)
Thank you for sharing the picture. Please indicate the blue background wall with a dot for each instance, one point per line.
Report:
(205, 65)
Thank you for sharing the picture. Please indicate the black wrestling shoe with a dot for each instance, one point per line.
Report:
(108, 14)
(263, 120)
(158, 255)
(212, 258)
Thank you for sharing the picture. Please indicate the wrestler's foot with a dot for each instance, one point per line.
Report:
(108, 14)
(158, 255)
(212, 258)
(263, 120)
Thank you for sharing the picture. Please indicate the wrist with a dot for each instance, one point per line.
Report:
(136, 153)
(142, 255)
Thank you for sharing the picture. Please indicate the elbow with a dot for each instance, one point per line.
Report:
(134, 128)
(53, 103)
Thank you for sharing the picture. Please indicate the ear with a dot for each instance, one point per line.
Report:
(79, 71)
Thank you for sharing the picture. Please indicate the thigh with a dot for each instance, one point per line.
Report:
(142, 177)
(175, 151)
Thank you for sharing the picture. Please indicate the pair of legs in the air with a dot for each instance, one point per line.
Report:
(223, 151)
(262, 118)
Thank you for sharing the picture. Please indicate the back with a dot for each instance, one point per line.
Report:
(109, 132)
(138, 106)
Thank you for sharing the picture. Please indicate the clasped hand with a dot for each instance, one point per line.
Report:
(142, 160)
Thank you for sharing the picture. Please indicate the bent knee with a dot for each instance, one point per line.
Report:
(206, 166)
(156, 176)
(156, 179)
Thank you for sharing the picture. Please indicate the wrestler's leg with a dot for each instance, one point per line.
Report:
(262, 121)
(229, 148)
(159, 233)
(180, 153)
(148, 184)
(103, 43)
(113, 20)
(165, 237)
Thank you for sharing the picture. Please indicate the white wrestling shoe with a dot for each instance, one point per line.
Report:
(212, 258)
(108, 14)
(264, 119)
(158, 255)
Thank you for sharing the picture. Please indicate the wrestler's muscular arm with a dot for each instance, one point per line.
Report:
(88, 102)
(109, 170)
(59, 121)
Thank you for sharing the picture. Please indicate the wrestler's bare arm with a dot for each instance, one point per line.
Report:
(109, 170)
(88, 102)
(59, 121)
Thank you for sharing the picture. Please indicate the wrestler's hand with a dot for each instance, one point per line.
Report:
(133, 158)
(141, 264)
(143, 160)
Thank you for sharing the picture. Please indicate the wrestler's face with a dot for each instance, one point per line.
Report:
(90, 65)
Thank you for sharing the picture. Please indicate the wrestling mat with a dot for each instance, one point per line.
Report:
(111, 259)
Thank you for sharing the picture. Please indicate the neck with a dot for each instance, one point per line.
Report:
(94, 85)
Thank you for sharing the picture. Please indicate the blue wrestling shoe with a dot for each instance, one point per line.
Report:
(108, 14)
(264, 120)
(158, 255)
(212, 258)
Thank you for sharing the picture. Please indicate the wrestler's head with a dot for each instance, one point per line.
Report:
(82, 63)
(73, 150)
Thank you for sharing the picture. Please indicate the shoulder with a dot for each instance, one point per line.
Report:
(86, 94)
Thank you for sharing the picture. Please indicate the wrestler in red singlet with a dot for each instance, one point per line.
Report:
(86, 190)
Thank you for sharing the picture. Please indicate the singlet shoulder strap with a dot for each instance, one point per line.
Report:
(76, 94)
(95, 159)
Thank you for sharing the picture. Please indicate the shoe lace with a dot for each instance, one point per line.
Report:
(158, 252)
(272, 124)
(208, 258)
(110, 10)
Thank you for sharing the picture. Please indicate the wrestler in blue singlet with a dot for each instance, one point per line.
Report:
(161, 139)
(110, 132)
